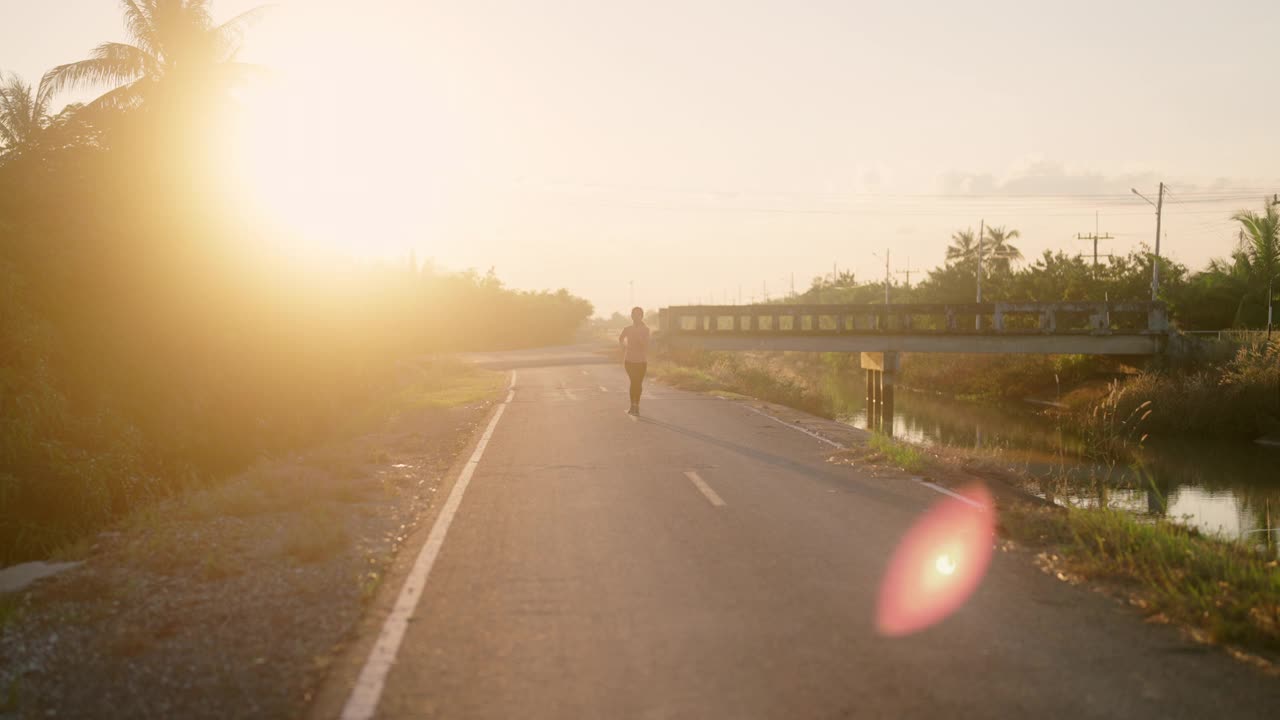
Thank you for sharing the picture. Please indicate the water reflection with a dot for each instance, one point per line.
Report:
(1232, 490)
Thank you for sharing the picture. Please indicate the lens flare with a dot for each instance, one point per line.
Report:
(938, 564)
(945, 564)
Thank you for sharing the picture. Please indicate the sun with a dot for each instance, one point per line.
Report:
(305, 146)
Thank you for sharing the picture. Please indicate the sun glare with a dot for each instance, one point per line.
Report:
(310, 154)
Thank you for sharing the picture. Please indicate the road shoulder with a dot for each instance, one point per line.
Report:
(239, 599)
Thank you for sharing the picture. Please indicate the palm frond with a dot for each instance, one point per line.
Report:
(44, 97)
(125, 97)
(230, 34)
(139, 21)
(21, 115)
(110, 64)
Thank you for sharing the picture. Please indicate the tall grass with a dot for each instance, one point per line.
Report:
(1237, 400)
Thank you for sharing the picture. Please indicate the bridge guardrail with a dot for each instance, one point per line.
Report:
(1003, 318)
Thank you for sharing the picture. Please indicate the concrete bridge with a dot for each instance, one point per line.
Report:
(881, 332)
(1085, 328)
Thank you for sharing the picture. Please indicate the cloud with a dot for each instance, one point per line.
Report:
(1044, 177)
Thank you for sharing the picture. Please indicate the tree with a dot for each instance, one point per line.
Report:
(176, 51)
(997, 252)
(963, 247)
(24, 115)
(1260, 251)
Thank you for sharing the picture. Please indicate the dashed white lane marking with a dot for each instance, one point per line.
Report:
(704, 488)
(568, 393)
(604, 389)
(932, 486)
(364, 698)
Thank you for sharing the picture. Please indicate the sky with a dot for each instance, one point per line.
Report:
(666, 152)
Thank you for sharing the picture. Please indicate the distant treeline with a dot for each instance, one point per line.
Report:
(153, 335)
(1228, 293)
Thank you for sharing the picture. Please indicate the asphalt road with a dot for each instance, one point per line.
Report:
(705, 561)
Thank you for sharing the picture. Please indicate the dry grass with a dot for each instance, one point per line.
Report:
(1240, 399)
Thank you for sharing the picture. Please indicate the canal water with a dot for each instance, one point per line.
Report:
(1231, 490)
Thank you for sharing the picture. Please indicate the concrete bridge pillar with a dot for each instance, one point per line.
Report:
(882, 376)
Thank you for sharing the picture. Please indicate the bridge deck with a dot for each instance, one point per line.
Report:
(1133, 328)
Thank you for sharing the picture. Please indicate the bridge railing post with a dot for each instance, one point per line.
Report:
(888, 379)
(1098, 322)
(1048, 320)
(1157, 319)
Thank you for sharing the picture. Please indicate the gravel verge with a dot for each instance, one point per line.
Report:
(231, 601)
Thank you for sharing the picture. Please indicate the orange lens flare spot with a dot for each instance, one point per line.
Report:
(938, 565)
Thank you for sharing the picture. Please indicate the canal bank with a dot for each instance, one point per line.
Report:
(1073, 456)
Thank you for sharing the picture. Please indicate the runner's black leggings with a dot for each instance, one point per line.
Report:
(636, 372)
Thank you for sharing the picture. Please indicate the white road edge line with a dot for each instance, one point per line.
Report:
(363, 701)
(706, 490)
(793, 426)
(951, 493)
(932, 486)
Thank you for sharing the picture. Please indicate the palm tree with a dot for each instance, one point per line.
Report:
(24, 115)
(997, 252)
(176, 49)
(963, 247)
(1260, 250)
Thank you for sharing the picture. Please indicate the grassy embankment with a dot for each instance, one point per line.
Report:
(1232, 398)
(1225, 591)
(307, 501)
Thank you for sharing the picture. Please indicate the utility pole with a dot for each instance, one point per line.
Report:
(982, 230)
(886, 276)
(907, 272)
(1155, 265)
(1095, 237)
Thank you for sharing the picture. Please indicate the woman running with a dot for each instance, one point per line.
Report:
(634, 340)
